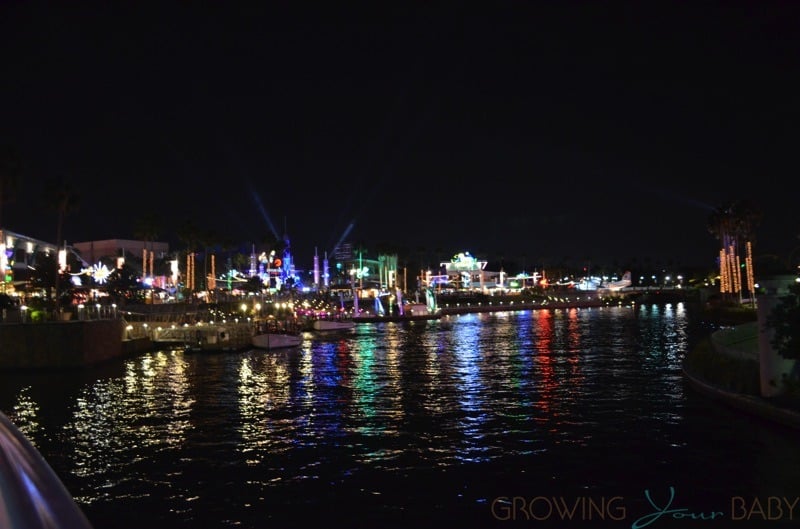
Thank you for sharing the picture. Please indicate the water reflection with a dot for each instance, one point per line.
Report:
(453, 407)
(118, 423)
(25, 415)
(263, 393)
(470, 360)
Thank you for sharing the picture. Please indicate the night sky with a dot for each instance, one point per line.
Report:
(588, 132)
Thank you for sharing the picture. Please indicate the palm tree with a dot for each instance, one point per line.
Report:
(359, 249)
(44, 273)
(388, 258)
(421, 251)
(227, 246)
(10, 171)
(208, 239)
(500, 258)
(240, 260)
(147, 228)
(60, 197)
(189, 234)
(734, 223)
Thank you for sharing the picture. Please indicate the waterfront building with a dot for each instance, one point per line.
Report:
(93, 251)
(357, 270)
(138, 254)
(19, 254)
(466, 272)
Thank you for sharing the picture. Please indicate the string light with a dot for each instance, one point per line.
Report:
(751, 283)
(724, 272)
(212, 280)
(737, 274)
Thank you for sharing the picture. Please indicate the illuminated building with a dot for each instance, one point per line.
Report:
(466, 272)
(18, 255)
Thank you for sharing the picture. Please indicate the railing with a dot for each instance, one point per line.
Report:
(26, 314)
(31, 494)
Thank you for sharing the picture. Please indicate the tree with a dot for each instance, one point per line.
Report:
(189, 234)
(500, 258)
(240, 261)
(227, 246)
(44, 272)
(11, 168)
(61, 198)
(146, 229)
(123, 284)
(734, 223)
(785, 320)
(208, 239)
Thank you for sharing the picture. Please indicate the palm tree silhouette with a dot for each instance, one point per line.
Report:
(189, 234)
(11, 168)
(60, 197)
(147, 228)
(734, 224)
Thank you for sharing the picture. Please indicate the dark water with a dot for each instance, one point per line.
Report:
(479, 420)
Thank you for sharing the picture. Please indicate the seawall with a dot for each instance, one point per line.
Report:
(520, 305)
(60, 345)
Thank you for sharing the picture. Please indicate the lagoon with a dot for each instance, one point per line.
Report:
(449, 422)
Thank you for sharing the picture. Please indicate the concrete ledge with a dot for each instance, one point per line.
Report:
(136, 345)
(59, 345)
(747, 403)
(518, 306)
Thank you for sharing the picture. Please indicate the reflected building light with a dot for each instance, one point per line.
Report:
(24, 415)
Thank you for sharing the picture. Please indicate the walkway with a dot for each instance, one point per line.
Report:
(740, 342)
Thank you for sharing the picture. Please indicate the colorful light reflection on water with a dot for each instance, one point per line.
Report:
(395, 424)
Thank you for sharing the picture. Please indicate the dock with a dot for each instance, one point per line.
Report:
(205, 337)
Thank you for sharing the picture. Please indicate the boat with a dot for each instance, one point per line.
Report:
(409, 311)
(370, 318)
(276, 340)
(209, 338)
(333, 320)
(332, 325)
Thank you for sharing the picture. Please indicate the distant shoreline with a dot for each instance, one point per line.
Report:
(513, 306)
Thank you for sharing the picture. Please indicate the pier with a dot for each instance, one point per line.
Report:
(205, 336)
